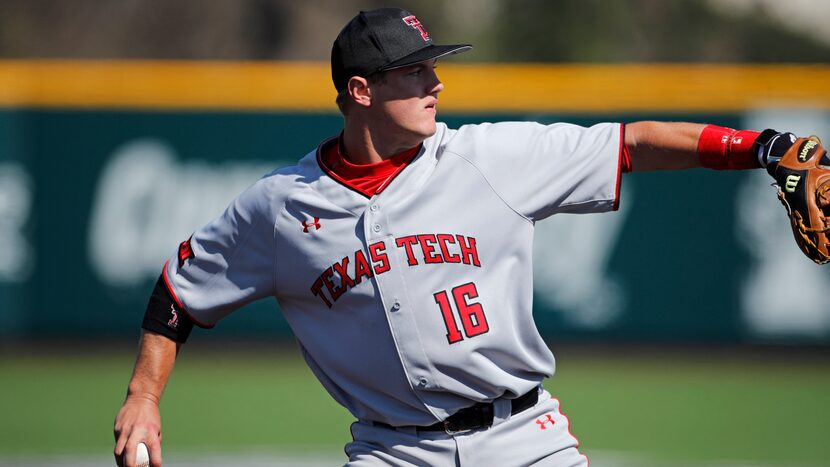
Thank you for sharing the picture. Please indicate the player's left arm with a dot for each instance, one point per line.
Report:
(679, 145)
(663, 145)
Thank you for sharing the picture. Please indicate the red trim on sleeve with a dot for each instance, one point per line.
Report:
(179, 302)
(623, 165)
(185, 251)
(625, 157)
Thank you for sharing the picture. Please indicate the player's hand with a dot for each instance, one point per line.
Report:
(138, 421)
(771, 146)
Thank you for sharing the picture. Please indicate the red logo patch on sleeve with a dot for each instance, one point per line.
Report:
(185, 251)
(174, 321)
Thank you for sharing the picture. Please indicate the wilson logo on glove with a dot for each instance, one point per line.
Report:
(807, 150)
(792, 183)
(806, 196)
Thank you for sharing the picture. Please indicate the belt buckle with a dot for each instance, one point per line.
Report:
(452, 432)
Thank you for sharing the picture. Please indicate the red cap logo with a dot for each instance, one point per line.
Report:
(411, 20)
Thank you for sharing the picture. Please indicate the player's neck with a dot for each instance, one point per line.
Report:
(364, 146)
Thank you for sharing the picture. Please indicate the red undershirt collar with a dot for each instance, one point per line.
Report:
(367, 179)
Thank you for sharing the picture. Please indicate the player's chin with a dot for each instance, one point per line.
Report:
(421, 128)
(429, 128)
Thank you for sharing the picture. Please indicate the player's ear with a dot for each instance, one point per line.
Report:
(359, 91)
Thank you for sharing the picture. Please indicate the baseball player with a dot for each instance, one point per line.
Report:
(400, 253)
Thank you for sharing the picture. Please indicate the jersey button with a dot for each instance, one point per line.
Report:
(374, 208)
(396, 306)
(376, 228)
(422, 382)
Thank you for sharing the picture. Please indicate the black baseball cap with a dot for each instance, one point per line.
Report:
(383, 39)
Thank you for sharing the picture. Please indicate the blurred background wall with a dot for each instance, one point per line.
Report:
(126, 125)
(502, 30)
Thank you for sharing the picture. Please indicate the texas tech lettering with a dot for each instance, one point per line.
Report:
(420, 249)
(439, 248)
(361, 269)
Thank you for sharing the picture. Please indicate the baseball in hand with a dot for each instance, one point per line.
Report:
(142, 457)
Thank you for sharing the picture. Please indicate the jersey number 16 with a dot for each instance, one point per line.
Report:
(471, 314)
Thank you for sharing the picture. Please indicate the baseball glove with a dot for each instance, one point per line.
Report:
(802, 178)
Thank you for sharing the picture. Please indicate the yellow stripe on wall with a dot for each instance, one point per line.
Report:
(306, 86)
(634, 88)
(168, 85)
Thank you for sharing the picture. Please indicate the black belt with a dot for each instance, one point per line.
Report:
(477, 416)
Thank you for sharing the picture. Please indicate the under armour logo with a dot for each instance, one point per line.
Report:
(413, 21)
(174, 321)
(542, 422)
(311, 225)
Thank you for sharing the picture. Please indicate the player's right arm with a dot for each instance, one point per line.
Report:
(139, 420)
(224, 265)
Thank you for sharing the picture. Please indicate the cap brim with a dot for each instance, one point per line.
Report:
(427, 53)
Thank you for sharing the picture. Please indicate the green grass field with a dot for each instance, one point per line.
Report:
(672, 407)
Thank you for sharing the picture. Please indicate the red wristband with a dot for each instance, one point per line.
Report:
(723, 148)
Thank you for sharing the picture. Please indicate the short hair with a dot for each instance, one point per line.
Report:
(342, 99)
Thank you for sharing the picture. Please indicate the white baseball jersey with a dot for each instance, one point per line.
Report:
(416, 302)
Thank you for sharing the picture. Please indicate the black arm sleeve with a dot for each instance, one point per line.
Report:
(164, 317)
